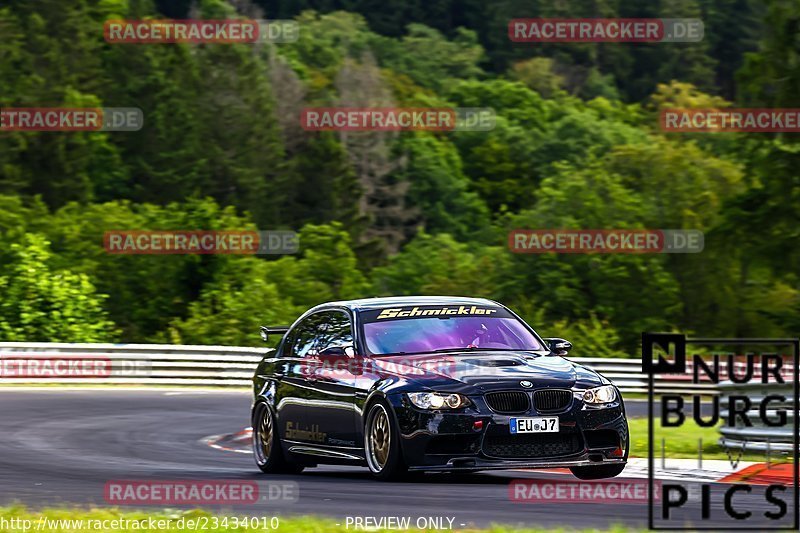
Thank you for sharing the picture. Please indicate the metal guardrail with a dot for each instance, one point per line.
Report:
(759, 437)
(167, 364)
(140, 364)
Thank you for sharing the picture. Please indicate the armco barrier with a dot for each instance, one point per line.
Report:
(167, 364)
(146, 364)
(759, 437)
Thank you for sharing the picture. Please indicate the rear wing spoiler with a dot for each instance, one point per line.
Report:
(266, 331)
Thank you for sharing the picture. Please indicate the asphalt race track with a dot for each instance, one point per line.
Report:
(62, 447)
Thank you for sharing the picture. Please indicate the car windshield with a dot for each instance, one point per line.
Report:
(419, 330)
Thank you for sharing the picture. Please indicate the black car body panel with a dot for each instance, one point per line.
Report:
(319, 397)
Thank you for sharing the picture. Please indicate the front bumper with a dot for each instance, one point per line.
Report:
(467, 464)
(451, 441)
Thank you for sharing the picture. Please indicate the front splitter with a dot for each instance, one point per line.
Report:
(472, 463)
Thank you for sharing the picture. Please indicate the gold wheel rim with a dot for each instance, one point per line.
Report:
(265, 434)
(379, 438)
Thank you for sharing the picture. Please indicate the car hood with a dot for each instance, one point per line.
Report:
(487, 370)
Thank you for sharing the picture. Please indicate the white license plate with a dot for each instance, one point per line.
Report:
(548, 424)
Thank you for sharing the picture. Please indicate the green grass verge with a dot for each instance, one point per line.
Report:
(682, 442)
(71, 520)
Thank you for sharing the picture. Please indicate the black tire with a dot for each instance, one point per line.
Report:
(597, 472)
(267, 449)
(382, 445)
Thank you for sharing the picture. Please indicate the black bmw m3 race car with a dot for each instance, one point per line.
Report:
(431, 384)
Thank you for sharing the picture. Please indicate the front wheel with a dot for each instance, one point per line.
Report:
(266, 444)
(597, 472)
(382, 444)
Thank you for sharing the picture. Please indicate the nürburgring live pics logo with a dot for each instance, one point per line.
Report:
(761, 399)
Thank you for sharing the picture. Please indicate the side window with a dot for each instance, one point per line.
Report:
(334, 331)
(304, 337)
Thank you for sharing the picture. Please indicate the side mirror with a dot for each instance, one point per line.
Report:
(339, 357)
(558, 346)
(334, 351)
(267, 330)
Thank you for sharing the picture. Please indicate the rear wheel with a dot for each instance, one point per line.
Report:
(266, 444)
(382, 445)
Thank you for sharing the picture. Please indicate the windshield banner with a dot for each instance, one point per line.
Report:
(434, 311)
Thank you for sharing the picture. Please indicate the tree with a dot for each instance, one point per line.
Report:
(326, 41)
(771, 75)
(429, 59)
(326, 268)
(539, 74)
(320, 182)
(764, 221)
(242, 145)
(569, 286)
(501, 163)
(438, 187)
(39, 304)
(591, 337)
(383, 193)
(439, 265)
(167, 160)
(146, 292)
(54, 61)
(231, 308)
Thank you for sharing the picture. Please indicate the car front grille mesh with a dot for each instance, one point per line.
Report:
(551, 399)
(508, 402)
(532, 445)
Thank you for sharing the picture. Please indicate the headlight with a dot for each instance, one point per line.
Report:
(604, 394)
(435, 400)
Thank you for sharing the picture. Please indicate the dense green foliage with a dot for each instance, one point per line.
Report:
(576, 145)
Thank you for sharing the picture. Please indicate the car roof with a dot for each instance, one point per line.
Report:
(364, 304)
